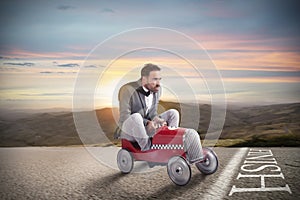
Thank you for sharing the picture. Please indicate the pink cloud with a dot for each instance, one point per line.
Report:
(263, 79)
(20, 53)
(79, 48)
(245, 42)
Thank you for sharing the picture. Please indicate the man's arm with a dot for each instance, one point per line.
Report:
(124, 103)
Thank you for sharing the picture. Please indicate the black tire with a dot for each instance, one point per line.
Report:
(210, 163)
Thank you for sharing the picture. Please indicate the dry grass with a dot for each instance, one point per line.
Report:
(273, 125)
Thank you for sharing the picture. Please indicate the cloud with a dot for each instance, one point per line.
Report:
(65, 7)
(258, 74)
(59, 72)
(46, 72)
(47, 94)
(90, 66)
(107, 10)
(9, 58)
(27, 64)
(67, 65)
(16, 54)
(9, 69)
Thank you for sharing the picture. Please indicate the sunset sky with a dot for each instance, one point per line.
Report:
(254, 45)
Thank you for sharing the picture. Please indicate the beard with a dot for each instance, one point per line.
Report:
(153, 89)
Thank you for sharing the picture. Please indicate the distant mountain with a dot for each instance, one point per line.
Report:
(44, 129)
(272, 125)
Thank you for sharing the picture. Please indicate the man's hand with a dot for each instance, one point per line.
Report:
(151, 127)
(159, 122)
(154, 124)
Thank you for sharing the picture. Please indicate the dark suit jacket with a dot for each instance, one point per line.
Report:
(131, 101)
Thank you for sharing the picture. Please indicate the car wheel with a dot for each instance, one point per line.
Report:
(179, 170)
(125, 161)
(210, 163)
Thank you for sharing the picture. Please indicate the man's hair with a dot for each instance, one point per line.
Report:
(149, 67)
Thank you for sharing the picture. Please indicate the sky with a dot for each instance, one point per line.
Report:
(251, 47)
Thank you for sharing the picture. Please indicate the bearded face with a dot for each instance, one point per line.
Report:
(152, 82)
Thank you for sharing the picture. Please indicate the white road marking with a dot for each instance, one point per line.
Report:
(258, 154)
(219, 189)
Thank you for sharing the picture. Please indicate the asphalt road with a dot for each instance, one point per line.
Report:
(73, 173)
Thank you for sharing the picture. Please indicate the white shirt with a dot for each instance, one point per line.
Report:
(148, 100)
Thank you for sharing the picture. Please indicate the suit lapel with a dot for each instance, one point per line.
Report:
(142, 98)
(154, 99)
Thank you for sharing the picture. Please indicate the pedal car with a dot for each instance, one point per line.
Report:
(168, 148)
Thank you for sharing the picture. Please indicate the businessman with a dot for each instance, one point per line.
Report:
(138, 103)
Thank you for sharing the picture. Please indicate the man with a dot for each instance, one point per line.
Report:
(138, 112)
(138, 108)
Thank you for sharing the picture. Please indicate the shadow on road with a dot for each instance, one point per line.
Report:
(172, 190)
(107, 187)
(120, 186)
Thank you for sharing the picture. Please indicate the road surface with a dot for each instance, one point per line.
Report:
(74, 173)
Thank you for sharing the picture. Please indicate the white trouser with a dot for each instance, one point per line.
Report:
(133, 128)
(192, 145)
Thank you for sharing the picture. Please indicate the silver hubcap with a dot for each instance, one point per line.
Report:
(210, 164)
(125, 161)
(179, 171)
(206, 162)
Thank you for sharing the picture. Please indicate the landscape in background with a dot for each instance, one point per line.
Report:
(254, 45)
(270, 125)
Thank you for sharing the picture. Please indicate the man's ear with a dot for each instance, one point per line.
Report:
(144, 79)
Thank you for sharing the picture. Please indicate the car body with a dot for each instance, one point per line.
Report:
(168, 148)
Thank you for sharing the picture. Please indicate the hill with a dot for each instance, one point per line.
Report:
(272, 125)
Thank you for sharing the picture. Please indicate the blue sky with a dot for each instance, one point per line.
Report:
(43, 44)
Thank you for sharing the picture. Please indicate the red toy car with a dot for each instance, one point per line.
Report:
(168, 148)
